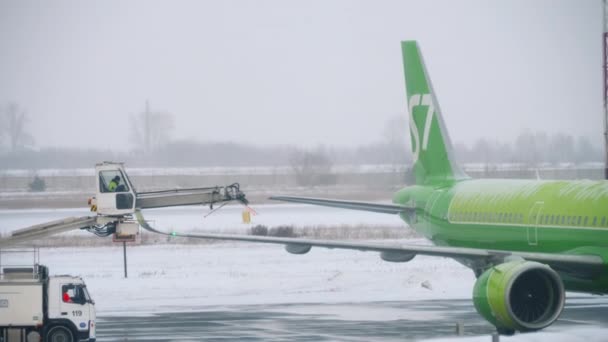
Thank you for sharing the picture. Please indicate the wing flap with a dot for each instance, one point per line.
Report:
(354, 205)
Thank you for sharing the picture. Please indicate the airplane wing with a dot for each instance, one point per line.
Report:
(355, 205)
(576, 265)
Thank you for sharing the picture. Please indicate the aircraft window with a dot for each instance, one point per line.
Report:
(510, 217)
(542, 219)
(585, 220)
(594, 221)
(578, 222)
(563, 219)
(604, 221)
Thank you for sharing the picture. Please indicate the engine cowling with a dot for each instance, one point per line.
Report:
(519, 295)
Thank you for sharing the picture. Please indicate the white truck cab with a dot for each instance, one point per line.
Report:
(70, 302)
(35, 307)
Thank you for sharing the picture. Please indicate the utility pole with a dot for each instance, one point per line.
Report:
(605, 72)
(147, 129)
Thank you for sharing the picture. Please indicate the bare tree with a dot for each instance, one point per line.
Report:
(397, 139)
(312, 167)
(12, 127)
(586, 152)
(561, 148)
(151, 129)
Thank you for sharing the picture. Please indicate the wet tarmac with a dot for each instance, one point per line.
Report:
(386, 321)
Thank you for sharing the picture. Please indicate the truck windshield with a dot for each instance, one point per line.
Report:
(87, 297)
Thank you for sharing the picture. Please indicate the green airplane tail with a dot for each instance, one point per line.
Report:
(433, 158)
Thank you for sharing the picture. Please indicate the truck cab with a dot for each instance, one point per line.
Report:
(37, 307)
(71, 308)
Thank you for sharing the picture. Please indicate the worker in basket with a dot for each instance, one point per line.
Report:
(113, 186)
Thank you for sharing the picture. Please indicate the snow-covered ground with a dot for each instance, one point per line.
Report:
(169, 276)
(226, 219)
(172, 277)
(184, 277)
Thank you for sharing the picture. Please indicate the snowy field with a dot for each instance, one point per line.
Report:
(226, 219)
(171, 277)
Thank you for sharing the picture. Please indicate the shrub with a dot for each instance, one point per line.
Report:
(282, 231)
(38, 184)
(259, 230)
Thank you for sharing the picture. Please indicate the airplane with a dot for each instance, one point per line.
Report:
(527, 241)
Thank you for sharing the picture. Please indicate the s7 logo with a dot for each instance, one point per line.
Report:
(420, 100)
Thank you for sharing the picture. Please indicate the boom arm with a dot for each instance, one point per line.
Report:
(116, 205)
(195, 196)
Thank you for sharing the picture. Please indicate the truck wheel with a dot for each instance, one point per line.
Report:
(59, 333)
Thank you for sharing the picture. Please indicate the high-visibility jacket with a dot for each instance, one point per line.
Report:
(112, 186)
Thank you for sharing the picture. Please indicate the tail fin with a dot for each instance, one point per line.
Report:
(431, 147)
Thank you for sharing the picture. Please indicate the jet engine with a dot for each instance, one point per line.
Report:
(519, 295)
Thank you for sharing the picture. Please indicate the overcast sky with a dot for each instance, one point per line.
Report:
(298, 72)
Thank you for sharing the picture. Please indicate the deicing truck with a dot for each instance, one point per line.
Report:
(34, 306)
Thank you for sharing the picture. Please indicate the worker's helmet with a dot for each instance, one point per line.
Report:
(116, 178)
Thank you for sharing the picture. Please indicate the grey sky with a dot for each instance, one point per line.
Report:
(298, 72)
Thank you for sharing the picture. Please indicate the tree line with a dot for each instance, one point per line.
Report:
(153, 146)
